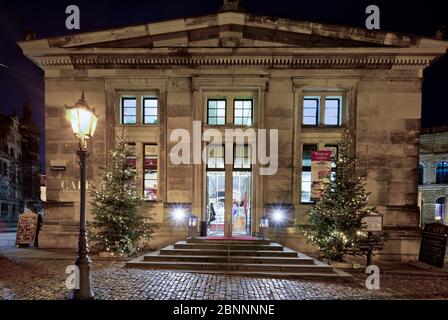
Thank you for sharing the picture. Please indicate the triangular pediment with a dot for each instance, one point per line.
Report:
(234, 29)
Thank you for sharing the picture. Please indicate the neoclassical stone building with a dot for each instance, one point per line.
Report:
(237, 70)
(433, 175)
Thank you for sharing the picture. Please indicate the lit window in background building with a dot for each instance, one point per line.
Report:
(150, 182)
(440, 210)
(442, 172)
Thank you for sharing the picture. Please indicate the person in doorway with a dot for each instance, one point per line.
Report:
(212, 214)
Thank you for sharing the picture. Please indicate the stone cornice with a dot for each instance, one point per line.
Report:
(91, 61)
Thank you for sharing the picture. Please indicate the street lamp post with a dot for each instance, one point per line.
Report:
(83, 120)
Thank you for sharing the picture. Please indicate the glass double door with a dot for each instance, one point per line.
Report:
(229, 203)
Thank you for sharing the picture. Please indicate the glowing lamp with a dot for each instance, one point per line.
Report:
(278, 216)
(179, 215)
(83, 120)
(192, 226)
(264, 225)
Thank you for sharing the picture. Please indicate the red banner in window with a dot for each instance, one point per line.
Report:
(150, 164)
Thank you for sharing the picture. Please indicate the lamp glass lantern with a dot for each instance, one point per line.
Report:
(264, 222)
(192, 225)
(83, 120)
(264, 225)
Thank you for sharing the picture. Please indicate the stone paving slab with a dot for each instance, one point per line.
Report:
(23, 278)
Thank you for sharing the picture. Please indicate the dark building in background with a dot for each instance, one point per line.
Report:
(29, 133)
(19, 165)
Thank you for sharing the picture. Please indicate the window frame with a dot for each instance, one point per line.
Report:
(314, 147)
(243, 117)
(122, 107)
(249, 152)
(217, 117)
(339, 116)
(421, 174)
(210, 169)
(444, 172)
(144, 98)
(311, 98)
(157, 170)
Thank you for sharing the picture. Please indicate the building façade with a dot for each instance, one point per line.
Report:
(19, 165)
(433, 175)
(232, 70)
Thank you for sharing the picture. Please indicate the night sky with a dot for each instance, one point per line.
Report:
(47, 19)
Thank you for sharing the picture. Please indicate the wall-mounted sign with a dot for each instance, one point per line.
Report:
(320, 170)
(57, 168)
(27, 228)
(373, 222)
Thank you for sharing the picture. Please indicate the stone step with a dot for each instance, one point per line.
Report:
(190, 252)
(255, 259)
(231, 259)
(225, 246)
(232, 241)
(219, 266)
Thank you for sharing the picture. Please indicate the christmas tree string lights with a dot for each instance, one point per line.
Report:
(335, 222)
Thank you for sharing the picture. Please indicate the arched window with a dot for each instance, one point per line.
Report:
(420, 174)
(442, 172)
(440, 210)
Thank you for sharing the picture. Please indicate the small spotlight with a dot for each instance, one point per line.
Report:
(179, 215)
(278, 216)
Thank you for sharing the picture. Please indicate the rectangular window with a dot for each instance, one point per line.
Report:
(242, 158)
(150, 172)
(243, 111)
(306, 173)
(150, 110)
(332, 111)
(128, 110)
(216, 112)
(311, 111)
(215, 157)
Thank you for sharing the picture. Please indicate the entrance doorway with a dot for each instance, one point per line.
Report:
(228, 193)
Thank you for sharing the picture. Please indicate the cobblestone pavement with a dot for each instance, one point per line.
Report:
(45, 279)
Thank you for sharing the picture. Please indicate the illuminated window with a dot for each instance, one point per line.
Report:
(440, 210)
(332, 111)
(150, 110)
(128, 110)
(442, 172)
(150, 172)
(215, 157)
(216, 112)
(311, 111)
(242, 112)
(322, 110)
(306, 173)
(242, 157)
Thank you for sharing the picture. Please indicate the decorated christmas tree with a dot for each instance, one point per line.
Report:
(336, 225)
(118, 228)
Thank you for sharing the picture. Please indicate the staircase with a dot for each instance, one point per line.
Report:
(236, 257)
